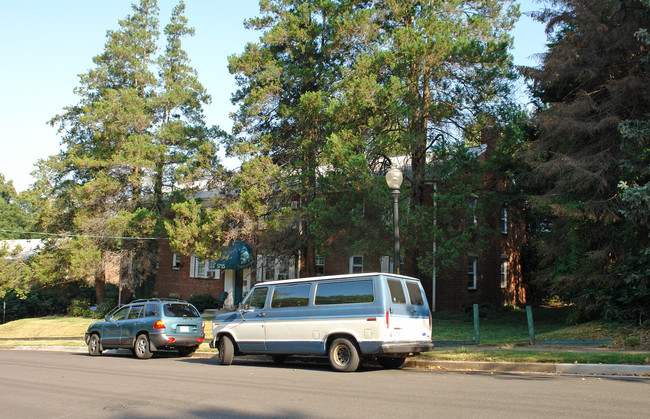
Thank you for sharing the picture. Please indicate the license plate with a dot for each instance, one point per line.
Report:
(184, 329)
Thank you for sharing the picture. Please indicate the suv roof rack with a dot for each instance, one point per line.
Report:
(146, 300)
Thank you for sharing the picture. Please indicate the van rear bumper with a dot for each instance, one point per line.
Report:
(405, 347)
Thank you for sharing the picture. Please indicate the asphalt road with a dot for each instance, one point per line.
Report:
(63, 384)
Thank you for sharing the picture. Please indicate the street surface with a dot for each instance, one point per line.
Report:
(37, 384)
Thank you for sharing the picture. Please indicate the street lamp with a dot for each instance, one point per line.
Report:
(394, 180)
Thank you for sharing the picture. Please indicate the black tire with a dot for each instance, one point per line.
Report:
(391, 363)
(226, 350)
(141, 347)
(189, 351)
(94, 346)
(279, 359)
(344, 355)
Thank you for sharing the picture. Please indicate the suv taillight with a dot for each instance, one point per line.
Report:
(159, 324)
(203, 326)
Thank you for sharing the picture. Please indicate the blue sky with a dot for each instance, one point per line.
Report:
(46, 44)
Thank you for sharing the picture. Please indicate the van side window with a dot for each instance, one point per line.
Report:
(414, 293)
(348, 292)
(396, 291)
(257, 298)
(291, 296)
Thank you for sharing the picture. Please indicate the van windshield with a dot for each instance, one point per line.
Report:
(256, 298)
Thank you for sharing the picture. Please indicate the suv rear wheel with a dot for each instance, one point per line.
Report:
(142, 347)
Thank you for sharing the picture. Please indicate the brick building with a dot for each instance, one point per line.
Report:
(491, 274)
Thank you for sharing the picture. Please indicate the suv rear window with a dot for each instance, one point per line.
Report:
(180, 310)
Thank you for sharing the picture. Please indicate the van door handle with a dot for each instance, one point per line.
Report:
(261, 315)
(414, 311)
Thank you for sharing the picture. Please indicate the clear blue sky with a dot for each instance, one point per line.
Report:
(46, 44)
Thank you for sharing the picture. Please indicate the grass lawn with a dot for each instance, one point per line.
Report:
(507, 330)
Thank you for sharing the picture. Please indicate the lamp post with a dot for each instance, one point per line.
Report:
(394, 180)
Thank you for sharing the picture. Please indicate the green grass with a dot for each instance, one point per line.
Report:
(507, 329)
(510, 328)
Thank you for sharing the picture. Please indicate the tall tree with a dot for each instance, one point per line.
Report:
(131, 138)
(593, 78)
(285, 84)
(426, 72)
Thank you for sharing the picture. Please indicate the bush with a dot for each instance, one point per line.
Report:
(632, 341)
(80, 308)
(104, 308)
(203, 301)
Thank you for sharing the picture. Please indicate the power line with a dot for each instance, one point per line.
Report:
(84, 235)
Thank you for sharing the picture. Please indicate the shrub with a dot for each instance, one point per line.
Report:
(104, 308)
(80, 308)
(632, 341)
(203, 301)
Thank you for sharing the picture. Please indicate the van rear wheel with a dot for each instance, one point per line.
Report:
(226, 350)
(391, 363)
(344, 355)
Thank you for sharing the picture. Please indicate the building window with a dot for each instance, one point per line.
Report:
(282, 266)
(473, 207)
(320, 265)
(504, 220)
(356, 264)
(504, 273)
(269, 268)
(471, 272)
(176, 261)
(204, 268)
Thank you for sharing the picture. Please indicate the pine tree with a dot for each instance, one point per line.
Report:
(593, 79)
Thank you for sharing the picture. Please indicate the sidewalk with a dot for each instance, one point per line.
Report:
(640, 371)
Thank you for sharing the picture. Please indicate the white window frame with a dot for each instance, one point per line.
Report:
(472, 267)
(503, 271)
(504, 220)
(320, 265)
(356, 264)
(176, 261)
(268, 267)
(204, 268)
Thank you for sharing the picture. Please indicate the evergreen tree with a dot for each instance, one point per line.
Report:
(131, 138)
(593, 79)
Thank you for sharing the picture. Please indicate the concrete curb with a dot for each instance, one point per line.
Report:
(531, 367)
(640, 371)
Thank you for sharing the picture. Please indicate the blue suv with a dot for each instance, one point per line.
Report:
(146, 326)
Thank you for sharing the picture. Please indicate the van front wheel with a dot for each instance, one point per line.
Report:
(344, 355)
(226, 351)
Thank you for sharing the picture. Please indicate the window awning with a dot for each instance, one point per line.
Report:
(238, 255)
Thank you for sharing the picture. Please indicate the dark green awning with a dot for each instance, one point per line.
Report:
(238, 255)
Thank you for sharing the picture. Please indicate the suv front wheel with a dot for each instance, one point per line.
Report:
(142, 350)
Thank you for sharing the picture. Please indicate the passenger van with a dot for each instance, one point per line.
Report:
(345, 317)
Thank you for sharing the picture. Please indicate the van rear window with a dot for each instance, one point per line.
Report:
(397, 295)
(414, 293)
(348, 292)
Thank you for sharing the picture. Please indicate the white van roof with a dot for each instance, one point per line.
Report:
(345, 276)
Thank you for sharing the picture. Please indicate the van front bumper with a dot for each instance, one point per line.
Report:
(406, 347)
